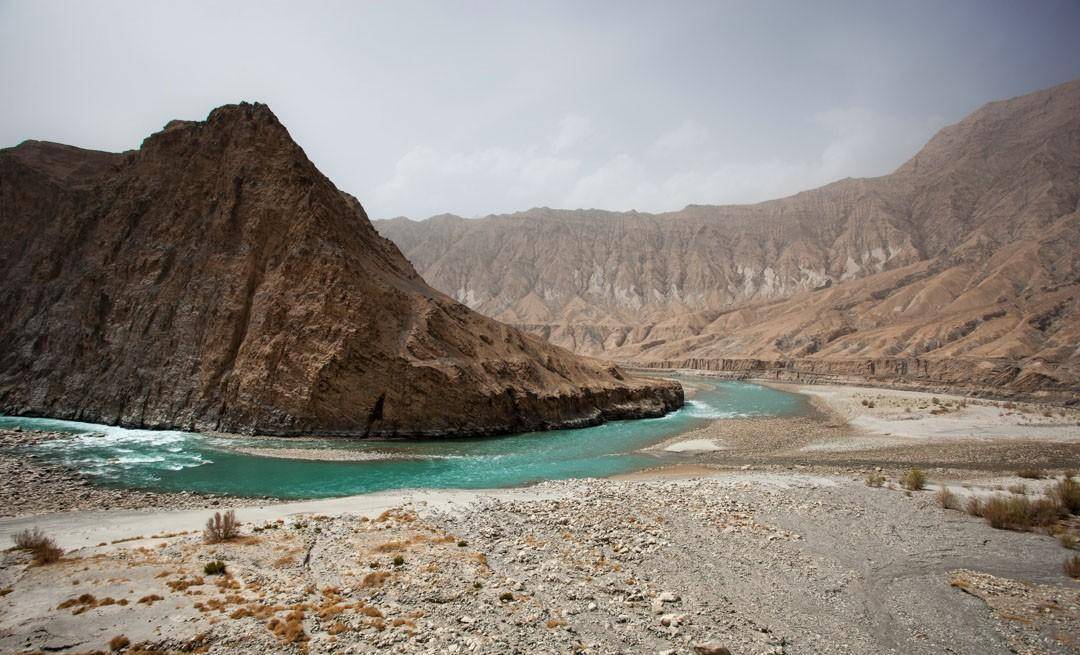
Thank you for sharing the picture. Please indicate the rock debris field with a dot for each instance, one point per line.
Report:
(735, 563)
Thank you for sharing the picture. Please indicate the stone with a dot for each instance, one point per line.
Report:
(711, 648)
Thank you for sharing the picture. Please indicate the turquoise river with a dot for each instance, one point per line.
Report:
(185, 461)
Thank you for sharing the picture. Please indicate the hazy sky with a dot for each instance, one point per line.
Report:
(479, 107)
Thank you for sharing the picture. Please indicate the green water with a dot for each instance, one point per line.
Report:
(185, 461)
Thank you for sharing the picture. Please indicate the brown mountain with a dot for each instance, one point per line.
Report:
(215, 279)
(961, 267)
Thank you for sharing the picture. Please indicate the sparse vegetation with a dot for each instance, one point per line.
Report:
(43, 547)
(118, 643)
(1069, 540)
(506, 596)
(1019, 489)
(875, 480)
(217, 567)
(1072, 566)
(1067, 494)
(947, 499)
(914, 480)
(1016, 512)
(221, 527)
(1030, 474)
(399, 560)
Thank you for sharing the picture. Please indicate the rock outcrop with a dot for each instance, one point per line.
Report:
(215, 279)
(964, 264)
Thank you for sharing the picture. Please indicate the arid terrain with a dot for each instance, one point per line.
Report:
(214, 279)
(959, 269)
(754, 535)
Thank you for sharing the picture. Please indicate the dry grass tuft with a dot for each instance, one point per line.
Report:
(1016, 512)
(217, 567)
(1067, 493)
(1072, 566)
(914, 480)
(43, 547)
(947, 499)
(375, 579)
(118, 643)
(221, 528)
(1031, 474)
(875, 480)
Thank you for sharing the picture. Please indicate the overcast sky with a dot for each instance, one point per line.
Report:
(482, 107)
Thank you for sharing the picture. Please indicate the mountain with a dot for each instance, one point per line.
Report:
(214, 279)
(962, 267)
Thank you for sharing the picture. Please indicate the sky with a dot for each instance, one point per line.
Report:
(422, 108)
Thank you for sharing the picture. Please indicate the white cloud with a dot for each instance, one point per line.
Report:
(681, 166)
(688, 136)
(573, 129)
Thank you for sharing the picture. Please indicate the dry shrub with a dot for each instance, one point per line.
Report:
(390, 547)
(1069, 540)
(947, 499)
(43, 547)
(1067, 493)
(375, 578)
(1072, 566)
(875, 480)
(241, 612)
(290, 629)
(914, 480)
(337, 628)
(1019, 489)
(368, 610)
(150, 599)
(217, 567)
(1019, 512)
(119, 642)
(221, 528)
(29, 539)
(1030, 474)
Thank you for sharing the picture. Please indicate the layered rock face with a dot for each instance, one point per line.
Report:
(215, 279)
(963, 266)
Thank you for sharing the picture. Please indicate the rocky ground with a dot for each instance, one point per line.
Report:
(754, 563)
(852, 430)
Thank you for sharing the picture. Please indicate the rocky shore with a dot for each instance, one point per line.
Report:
(30, 486)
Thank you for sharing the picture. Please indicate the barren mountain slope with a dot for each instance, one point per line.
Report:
(214, 279)
(961, 266)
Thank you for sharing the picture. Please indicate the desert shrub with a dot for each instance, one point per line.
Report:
(43, 547)
(865, 402)
(399, 560)
(217, 567)
(1020, 512)
(506, 596)
(875, 480)
(1067, 493)
(1072, 566)
(462, 543)
(914, 480)
(29, 539)
(1019, 489)
(1069, 540)
(221, 528)
(119, 642)
(947, 499)
(1030, 474)
(974, 506)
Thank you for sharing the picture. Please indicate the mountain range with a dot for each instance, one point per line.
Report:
(960, 268)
